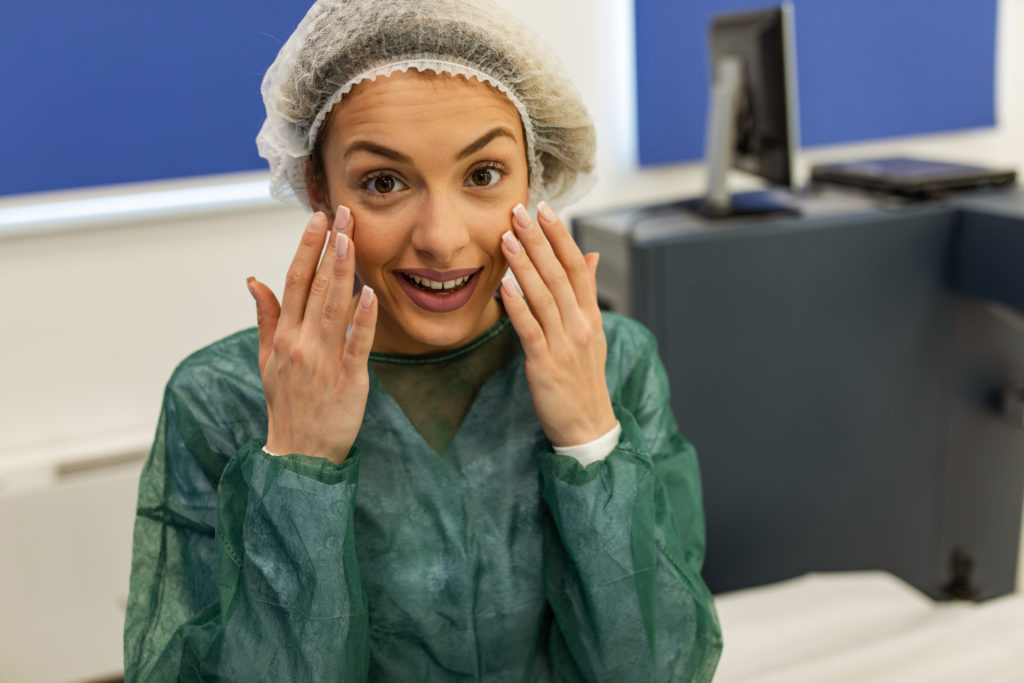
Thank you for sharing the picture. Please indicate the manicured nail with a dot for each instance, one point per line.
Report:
(341, 244)
(248, 283)
(508, 285)
(342, 218)
(318, 223)
(366, 298)
(511, 243)
(522, 217)
(546, 213)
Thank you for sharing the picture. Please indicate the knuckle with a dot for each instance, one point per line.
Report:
(532, 333)
(320, 284)
(545, 299)
(281, 344)
(578, 266)
(363, 328)
(355, 369)
(295, 276)
(359, 347)
(298, 354)
(312, 239)
(559, 278)
(583, 334)
(332, 310)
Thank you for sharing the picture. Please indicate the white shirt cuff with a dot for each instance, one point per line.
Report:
(598, 449)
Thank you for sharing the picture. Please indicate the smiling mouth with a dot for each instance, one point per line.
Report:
(442, 288)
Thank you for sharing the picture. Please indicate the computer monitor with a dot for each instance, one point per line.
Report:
(752, 114)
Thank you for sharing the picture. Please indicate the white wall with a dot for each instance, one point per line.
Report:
(94, 318)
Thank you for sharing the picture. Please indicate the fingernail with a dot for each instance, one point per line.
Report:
(318, 223)
(366, 298)
(546, 213)
(342, 217)
(508, 285)
(341, 244)
(511, 243)
(248, 283)
(522, 217)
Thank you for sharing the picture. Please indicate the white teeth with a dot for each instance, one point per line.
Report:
(427, 283)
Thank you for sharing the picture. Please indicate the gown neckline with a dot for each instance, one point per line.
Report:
(381, 403)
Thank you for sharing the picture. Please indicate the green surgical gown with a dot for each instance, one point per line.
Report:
(499, 560)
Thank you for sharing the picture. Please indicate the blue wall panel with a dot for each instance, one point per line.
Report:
(122, 90)
(867, 69)
(127, 90)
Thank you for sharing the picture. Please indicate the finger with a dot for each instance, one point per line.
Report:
(337, 303)
(343, 221)
(320, 284)
(318, 288)
(592, 259)
(300, 273)
(268, 311)
(547, 264)
(529, 331)
(567, 252)
(360, 336)
(541, 300)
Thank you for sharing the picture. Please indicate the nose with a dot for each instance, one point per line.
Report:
(441, 232)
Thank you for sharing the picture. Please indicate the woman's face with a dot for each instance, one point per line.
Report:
(431, 167)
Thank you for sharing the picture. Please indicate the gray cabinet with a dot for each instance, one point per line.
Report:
(841, 375)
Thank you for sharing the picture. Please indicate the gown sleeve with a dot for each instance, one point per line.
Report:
(243, 564)
(624, 543)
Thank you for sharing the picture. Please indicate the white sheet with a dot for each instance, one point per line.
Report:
(866, 627)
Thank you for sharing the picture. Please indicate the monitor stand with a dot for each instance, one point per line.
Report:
(742, 204)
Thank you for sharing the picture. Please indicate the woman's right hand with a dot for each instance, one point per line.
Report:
(315, 379)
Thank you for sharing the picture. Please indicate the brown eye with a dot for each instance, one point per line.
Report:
(483, 177)
(384, 184)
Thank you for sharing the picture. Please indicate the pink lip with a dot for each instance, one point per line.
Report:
(438, 303)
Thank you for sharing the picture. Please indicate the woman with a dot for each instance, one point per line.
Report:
(441, 477)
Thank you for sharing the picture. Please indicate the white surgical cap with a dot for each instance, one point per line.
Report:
(340, 43)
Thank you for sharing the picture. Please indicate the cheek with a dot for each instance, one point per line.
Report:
(377, 244)
(489, 226)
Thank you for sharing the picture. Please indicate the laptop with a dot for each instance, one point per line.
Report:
(910, 177)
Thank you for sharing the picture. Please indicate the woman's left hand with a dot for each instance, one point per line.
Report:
(559, 325)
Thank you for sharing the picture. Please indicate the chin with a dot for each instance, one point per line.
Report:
(441, 332)
(411, 330)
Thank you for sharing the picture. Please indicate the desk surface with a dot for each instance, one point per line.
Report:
(671, 221)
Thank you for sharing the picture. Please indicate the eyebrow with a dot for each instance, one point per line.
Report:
(485, 140)
(395, 155)
(379, 150)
